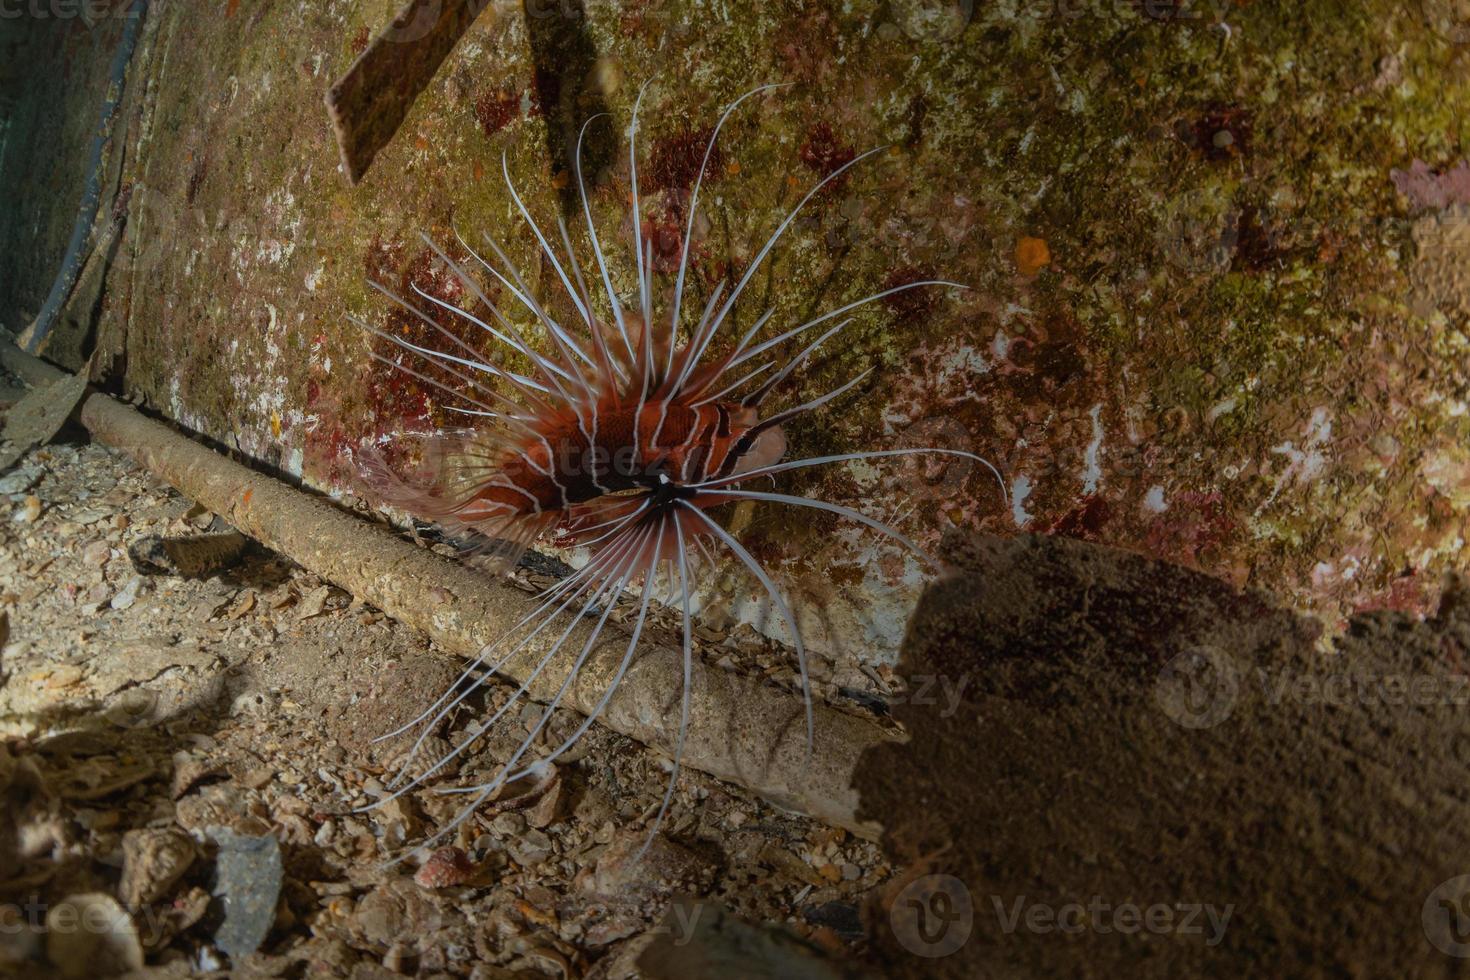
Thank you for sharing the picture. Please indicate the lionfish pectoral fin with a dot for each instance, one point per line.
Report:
(383, 487)
(494, 533)
(423, 493)
(497, 544)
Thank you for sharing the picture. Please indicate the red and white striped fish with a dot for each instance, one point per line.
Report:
(625, 433)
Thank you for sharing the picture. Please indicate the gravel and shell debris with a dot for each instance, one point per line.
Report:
(151, 722)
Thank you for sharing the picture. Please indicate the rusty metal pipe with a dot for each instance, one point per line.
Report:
(741, 729)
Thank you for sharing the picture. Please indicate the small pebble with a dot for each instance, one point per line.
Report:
(529, 849)
(508, 824)
(248, 881)
(19, 481)
(129, 594)
(29, 511)
(446, 867)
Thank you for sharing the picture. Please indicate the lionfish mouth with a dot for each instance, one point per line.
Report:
(641, 381)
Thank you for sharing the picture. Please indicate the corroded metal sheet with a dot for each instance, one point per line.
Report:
(37, 417)
(1204, 322)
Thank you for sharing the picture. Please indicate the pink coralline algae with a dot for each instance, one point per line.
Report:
(1427, 189)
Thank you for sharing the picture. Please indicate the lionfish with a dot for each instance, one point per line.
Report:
(620, 438)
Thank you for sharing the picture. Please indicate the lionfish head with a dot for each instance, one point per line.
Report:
(758, 445)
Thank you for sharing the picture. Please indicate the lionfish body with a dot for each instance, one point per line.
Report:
(572, 468)
(622, 437)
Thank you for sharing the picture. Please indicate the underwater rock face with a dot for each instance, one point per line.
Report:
(1204, 322)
